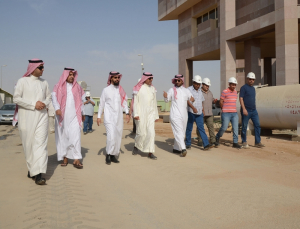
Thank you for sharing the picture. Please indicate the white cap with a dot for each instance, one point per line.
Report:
(88, 94)
(197, 79)
(251, 75)
(232, 80)
(206, 81)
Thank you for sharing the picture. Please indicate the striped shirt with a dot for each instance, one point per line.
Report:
(229, 97)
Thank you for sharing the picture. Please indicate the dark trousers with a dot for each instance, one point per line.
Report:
(253, 115)
(88, 123)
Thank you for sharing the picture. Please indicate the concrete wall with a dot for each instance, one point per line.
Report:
(247, 10)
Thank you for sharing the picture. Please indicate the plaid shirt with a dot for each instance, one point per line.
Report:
(198, 96)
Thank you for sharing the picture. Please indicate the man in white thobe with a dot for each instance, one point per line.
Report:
(179, 96)
(32, 97)
(145, 114)
(113, 101)
(67, 99)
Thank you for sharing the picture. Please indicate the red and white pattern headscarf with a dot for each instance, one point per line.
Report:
(33, 64)
(177, 77)
(61, 94)
(121, 90)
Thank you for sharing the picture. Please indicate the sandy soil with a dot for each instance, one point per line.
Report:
(220, 188)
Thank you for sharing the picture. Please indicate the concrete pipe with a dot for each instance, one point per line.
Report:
(278, 107)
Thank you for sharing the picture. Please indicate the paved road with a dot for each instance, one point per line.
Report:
(217, 189)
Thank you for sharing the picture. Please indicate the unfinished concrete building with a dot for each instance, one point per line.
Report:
(262, 35)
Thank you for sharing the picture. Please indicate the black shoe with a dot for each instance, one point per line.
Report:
(151, 156)
(114, 159)
(208, 147)
(237, 146)
(217, 142)
(135, 151)
(28, 175)
(176, 151)
(107, 160)
(183, 153)
(39, 180)
(188, 147)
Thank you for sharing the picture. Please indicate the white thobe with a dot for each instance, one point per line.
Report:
(145, 107)
(68, 134)
(110, 102)
(32, 123)
(179, 115)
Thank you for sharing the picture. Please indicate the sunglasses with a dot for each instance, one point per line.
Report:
(178, 81)
(150, 78)
(40, 67)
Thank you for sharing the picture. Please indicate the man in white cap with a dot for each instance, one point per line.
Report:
(32, 96)
(179, 96)
(248, 111)
(89, 104)
(195, 114)
(113, 102)
(229, 112)
(208, 114)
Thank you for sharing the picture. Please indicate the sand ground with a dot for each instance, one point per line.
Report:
(220, 188)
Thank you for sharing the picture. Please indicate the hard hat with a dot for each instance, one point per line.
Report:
(232, 80)
(206, 81)
(251, 75)
(197, 79)
(88, 94)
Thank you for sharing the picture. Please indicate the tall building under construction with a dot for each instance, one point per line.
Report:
(261, 36)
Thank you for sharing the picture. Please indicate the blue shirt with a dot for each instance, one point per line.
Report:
(199, 98)
(248, 94)
(89, 108)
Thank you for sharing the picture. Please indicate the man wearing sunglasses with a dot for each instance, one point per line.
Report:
(145, 115)
(32, 96)
(179, 96)
(113, 102)
(248, 111)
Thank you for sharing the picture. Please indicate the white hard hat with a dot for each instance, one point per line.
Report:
(197, 79)
(206, 81)
(232, 80)
(87, 94)
(251, 75)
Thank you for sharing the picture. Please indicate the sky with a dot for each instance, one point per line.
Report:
(94, 37)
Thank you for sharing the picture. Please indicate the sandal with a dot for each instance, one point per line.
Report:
(64, 164)
(78, 166)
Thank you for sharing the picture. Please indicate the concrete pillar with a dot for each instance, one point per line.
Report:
(268, 71)
(287, 48)
(252, 59)
(188, 76)
(227, 48)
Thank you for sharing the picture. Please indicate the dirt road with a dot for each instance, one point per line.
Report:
(220, 188)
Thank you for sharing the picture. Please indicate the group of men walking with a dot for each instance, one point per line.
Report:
(74, 108)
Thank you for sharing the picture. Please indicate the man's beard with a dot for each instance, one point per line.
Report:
(116, 83)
